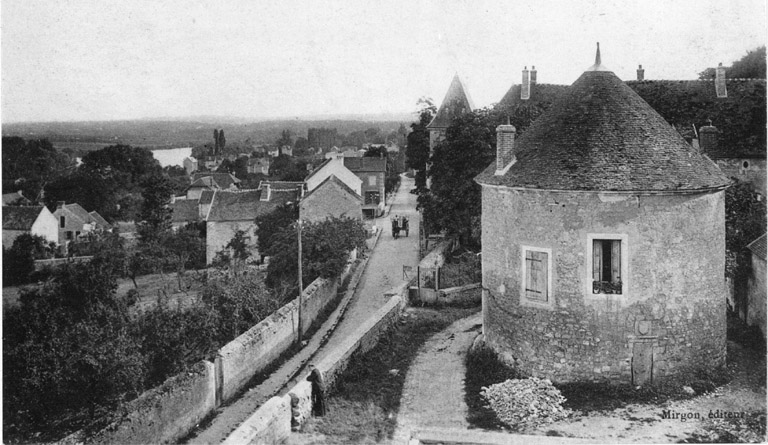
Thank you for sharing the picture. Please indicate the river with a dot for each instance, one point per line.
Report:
(172, 156)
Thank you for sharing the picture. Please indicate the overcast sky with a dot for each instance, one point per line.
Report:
(102, 60)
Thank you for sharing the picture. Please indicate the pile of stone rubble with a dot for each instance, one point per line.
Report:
(522, 403)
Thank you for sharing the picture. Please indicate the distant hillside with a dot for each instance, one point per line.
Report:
(167, 133)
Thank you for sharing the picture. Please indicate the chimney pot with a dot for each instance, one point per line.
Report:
(640, 72)
(505, 146)
(60, 204)
(533, 75)
(720, 89)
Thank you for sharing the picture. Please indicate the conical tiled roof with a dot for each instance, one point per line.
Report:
(456, 102)
(600, 135)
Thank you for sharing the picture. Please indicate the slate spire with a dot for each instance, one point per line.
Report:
(455, 103)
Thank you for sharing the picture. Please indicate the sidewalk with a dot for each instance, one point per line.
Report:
(382, 271)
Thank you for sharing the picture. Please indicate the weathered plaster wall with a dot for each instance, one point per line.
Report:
(745, 169)
(673, 289)
(242, 358)
(220, 233)
(756, 295)
(166, 413)
(330, 200)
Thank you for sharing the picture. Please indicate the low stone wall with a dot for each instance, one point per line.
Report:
(365, 337)
(53, 262)
(467, 295)
(166, 413)
(242, 358)
(271, 423)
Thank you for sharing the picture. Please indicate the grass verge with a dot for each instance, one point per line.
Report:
(364, 405)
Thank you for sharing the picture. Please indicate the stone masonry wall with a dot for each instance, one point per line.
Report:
(746, 170)
(330, 200)
(220, 233)
(673, 301)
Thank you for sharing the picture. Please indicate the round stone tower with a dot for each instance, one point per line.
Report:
(603, 242)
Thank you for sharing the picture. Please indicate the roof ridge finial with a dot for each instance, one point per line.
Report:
(597, 55)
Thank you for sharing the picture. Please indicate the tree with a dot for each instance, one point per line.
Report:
(222, 141)
(417, 150)
(185, 248)
(216, 148)
(750, 66)
(325, 250)
(453, 201)
(156, 214)
(268, 225)
(285, 168)
(31, 165)
(285, 139)
(19, 259)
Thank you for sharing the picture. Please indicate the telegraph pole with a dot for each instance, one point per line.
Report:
(301, 284)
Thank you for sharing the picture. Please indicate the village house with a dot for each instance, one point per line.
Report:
(190, 165)
(756, 290)
(15, 199)
(211, 181)
(331, 198)
(34, 220)
(74, 221)
(372, 171)
(212, 162)
(231, 211)
(334, 167)
(603, 237)
(259, 165)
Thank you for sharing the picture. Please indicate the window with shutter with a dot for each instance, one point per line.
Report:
(606, 266)
(536, 271)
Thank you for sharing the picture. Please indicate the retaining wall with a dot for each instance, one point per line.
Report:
(271, 423)
(466, 295)
(250, 353)
(165, 413)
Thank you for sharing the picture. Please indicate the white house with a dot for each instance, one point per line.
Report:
(335, 167)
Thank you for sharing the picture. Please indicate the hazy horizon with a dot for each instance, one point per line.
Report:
(84, 61)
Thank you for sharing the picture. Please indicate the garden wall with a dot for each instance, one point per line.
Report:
(242, 358)
(466, 295)
(166, 413)
(53, 262)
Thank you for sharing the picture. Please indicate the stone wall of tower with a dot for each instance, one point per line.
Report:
(672, 306)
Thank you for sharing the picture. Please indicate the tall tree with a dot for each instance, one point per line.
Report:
(156, 214)
(32, 165)
(453, 201)
(417, 150)
(222, 141)
(215, 142)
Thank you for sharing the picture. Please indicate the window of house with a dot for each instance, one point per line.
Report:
(372, 197)
(372, 180)
(537, 275)
(69, 234)
(608, 264)
(62, 222)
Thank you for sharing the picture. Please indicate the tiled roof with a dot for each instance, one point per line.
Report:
(600, 135)
(186, 210)
(79, 212)
(20, 218)
(758, 246)
(317, 169)
(333, 179)
(15, 198)
(542, 95)
(366, 164)
(98, 219)
(206, 197)
(222, 180)
(243, 205)
(455, 103)
(283, 185)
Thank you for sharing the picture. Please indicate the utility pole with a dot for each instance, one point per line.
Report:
(301, 284)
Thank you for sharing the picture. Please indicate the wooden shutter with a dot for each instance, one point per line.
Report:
(597, 260)
(615, 261)
(536, 275)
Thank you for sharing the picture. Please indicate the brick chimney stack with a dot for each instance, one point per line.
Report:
(708, 135)
(640, 72)
(720, 89)
(525, 88)
(533, 76)
(505, 146)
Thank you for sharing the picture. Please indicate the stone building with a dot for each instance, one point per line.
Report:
(33, 220)
(455, 103)
(331, 198)
(603, 242)
(372, 172)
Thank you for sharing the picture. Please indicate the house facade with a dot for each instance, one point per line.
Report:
(74, 221)
(603, 242)
(335, 167)
(372, 172)
(331, 198)
(34, 220)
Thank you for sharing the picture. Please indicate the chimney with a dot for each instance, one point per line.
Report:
(525, 88)
(533, 76)
(505, 146)
(720, 81)
(640, 72)
(708, 135)
(60, 204)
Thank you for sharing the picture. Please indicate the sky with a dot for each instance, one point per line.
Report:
(75, 60)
